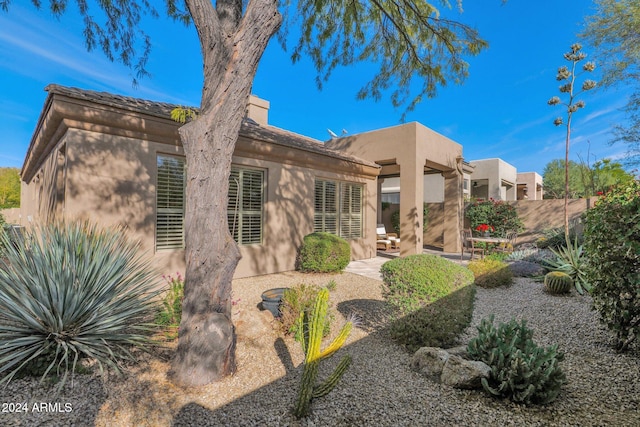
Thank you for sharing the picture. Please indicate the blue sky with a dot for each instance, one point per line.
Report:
(500, 111)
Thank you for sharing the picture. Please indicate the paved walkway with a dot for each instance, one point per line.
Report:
(371, 267)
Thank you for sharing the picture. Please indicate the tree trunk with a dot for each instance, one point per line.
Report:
(206, 339)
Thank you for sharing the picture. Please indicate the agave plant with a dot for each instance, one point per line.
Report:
(570, 260)
(72, 291)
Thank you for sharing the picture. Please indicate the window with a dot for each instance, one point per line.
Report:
(170, 202)
(338, 208)
(326, 207)
(244, 210)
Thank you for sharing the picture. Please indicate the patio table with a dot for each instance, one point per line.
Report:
(497, 240)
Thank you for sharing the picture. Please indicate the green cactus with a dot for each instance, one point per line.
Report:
(520, 370)
(557, 282)
(313, 324)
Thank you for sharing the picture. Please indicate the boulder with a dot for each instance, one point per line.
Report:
(467, 374)
(429, 361)
(461, 351)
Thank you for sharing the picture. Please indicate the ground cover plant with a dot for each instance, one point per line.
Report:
(170, 313)
(72, 291)
(612, 243)
(520, 370)
(301, 299)
(432, 298)
(324, 253)
(491, 272)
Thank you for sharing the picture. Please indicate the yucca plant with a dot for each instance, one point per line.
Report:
(570, 260)
(72, 291)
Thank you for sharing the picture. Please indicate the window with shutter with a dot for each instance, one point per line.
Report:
(338, 208)
(170, 202)
(244, 210)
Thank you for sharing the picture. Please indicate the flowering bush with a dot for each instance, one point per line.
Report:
(483, 228)
(502, 216)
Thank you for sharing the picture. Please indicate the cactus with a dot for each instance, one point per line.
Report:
(313, 324)
(520, 370)
(557, 282)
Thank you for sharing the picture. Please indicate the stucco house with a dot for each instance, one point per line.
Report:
(493, 179)
(119, 161)
(530, 186)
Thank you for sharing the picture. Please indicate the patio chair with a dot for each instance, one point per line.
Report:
(507, 247)
(468, 244)
(381, 233)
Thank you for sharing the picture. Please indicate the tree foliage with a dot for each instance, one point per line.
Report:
(412, 40)
(9, 188)
(613, 33)
(612, 244)
(584, 180)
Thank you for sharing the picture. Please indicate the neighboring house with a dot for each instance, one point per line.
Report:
(119, 161)
(493, 179)
(530, 186)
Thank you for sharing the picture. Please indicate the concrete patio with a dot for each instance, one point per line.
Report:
(371, 267)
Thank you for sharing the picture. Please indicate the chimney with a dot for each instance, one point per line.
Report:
(258, 110)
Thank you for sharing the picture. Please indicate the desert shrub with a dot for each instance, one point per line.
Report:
(612, 244)
(554, 238)
(526, 269)
(491, 273)
(73, 291)
(170, 313)
(520, 370)
(432, 298)
(416, 280)
(502, 216)
(437, 324)
(536, 255)
(324, 253)
(301, 299)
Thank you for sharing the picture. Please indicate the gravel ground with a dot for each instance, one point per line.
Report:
(378, 389)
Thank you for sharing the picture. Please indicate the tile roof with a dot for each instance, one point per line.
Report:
(249, 129)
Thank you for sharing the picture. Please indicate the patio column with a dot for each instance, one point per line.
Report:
(411, 201)
(453, 210)
(380, 181)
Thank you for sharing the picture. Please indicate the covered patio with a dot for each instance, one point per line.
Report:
(410, 151)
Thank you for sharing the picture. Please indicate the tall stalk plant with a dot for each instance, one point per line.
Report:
(568, 76)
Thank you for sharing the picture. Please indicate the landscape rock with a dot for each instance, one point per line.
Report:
(466, 374)
(429, 361)
(459, 351)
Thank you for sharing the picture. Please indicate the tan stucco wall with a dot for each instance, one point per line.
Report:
(539, 215)
(110, 174)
